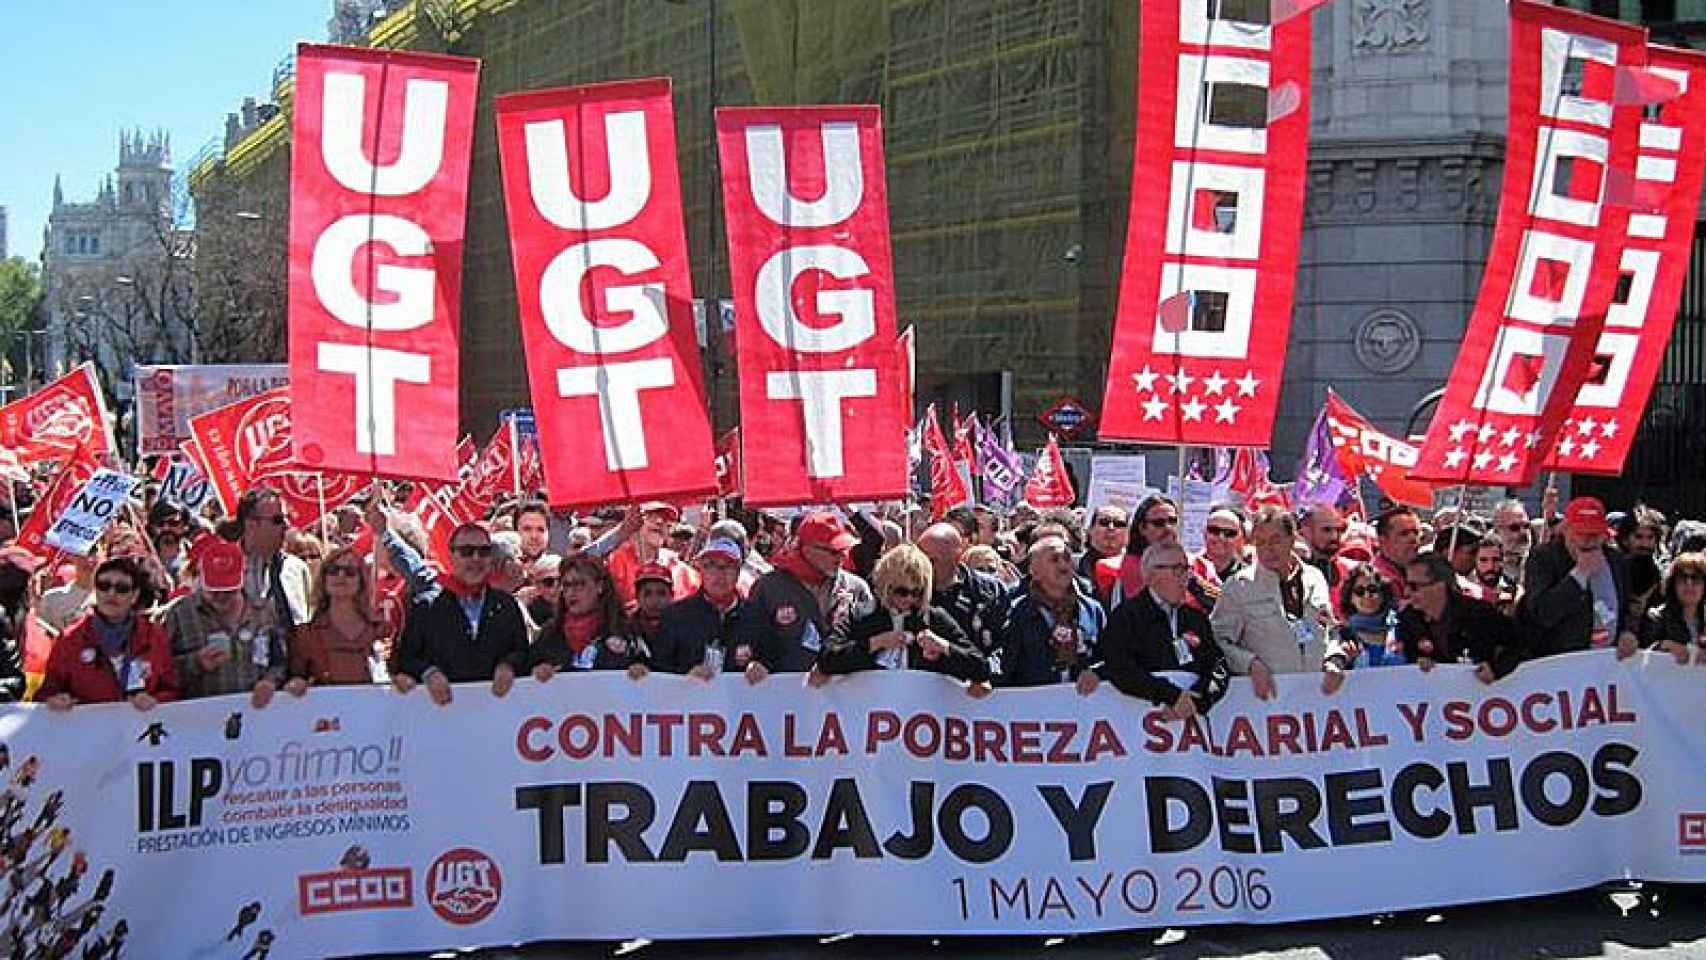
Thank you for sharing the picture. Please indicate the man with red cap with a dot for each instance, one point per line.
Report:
(697, 636)
(791, 611)
(648, 546)
(222, 641)
(1574, 587)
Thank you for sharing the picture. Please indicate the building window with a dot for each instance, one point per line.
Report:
(95, 245)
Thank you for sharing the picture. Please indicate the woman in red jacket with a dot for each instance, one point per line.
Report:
(113, 653)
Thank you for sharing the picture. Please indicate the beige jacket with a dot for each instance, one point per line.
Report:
(1249, 620)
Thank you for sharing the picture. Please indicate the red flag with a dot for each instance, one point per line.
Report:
(495, 473)
(58, 420)
(1363, 449)
(1554, 265)
(380, 148)
(807, 214)
(1661, 196)
(947, 485)
(604, 291)
(1049, 486)
(73, 473)
(1214, 226)
(247, 444)
(729, 480)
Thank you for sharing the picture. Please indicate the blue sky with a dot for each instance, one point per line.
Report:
(72, 75)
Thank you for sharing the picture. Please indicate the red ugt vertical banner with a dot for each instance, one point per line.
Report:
(601, 276)
(1662, 198)
(1216, 217)
(378, 197)
(1553, 266)
(821, 391)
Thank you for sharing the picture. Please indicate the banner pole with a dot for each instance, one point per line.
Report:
(320, 495)
(514, 458)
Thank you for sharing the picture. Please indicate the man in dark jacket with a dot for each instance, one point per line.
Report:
(460, 630)
(1052, 627)
(1441, 625)
(975, 600)
(1574, 587)
(698, 635)
(791, 611)
(1156, 632)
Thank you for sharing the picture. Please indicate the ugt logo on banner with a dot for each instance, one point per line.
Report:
(604, 291)
(809, 259)
(378, 190)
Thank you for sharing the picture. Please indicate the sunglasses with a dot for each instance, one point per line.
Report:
(1110, 523)
(547, 581)
(1228, 533)
(1163, 522)
(473, 550)
(115, 586)
(906, 592)
(1365, 591)
(344, 570)
(1516, 527)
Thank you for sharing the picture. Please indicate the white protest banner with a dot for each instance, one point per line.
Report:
(168, 396)
(357, 820)
(1117, 479)
(89, 512)
(184, 486)
(1194, 503)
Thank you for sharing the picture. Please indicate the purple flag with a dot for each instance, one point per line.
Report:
(1003, 471)
(1320, 478)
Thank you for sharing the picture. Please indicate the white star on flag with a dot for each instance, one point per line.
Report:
(1507, 462)
(1459, 430)
(1193, 408)
(1567, 446)
(1510, 437)
(1227, 412)
(1247, 384)
(1482, 459)
(1533, 439)
(1453, 458)
(1486, 432)
(1609, 429)
(1587, 426)
(1180, 380)
(1214, 383)
(1590, 450)
(1145, 379)
(1154, 407)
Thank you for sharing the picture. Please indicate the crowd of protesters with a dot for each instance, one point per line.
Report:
(174, 606)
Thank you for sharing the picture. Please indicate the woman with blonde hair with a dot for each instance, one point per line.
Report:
(342, 643)
(904, 632)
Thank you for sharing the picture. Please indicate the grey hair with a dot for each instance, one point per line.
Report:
(1157, 554)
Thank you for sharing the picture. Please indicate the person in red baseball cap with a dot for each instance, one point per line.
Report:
(1575, 588)
(792, 610)
(223, 642)
(650, 545)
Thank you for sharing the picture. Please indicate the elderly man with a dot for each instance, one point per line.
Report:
(1106, 534)
(791, 610)
(1574, 587)
(1441, 625)
(1515, 533)
(459, 629)
(270, 575)
(698, 635)
(1223, 541)
(1156, 632)
(975, 600)
(222, 641)
(1399, 532)
(1053, 624)
(650, 545)
(1275, 616)
(1156, 520)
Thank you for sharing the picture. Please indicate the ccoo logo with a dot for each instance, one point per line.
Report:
(464, 886)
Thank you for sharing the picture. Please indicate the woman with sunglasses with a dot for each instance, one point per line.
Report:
(588, 630)
(342, 643)
(113, 653)
(904, 632)
(1678, 626)
(1370, 606)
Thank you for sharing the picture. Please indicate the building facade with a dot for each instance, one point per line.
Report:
(1008, 129)
(116, 271)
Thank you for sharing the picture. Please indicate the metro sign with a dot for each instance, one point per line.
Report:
(1066, 417)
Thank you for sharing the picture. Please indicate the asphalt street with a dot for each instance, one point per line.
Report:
(1592, 923)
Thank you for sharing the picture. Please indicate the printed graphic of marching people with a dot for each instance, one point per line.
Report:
(319, 673)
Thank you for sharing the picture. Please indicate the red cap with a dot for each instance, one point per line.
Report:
(653, 571)
(659, 506)
(825, 529)
(1585, 515)
(221, 565)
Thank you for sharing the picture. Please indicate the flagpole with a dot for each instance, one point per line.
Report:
(514, 458)
(320, 495)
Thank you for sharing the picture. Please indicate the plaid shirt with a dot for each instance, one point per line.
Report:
(257, 647)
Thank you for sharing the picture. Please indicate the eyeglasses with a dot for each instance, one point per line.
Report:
(473, 550)
(1175, 567)
(1365, 591)
(1422, 585)
(344, 570)
(1162, 522)
(906, 593)
(1229, 533)
(1110, 523)
(115, 586)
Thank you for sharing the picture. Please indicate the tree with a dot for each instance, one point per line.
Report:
(20, 297)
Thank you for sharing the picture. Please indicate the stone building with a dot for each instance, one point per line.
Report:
(115, 270)
(1008, 128)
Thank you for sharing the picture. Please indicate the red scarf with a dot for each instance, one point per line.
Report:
(796, 563)
(463, 591)
(581, 630)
